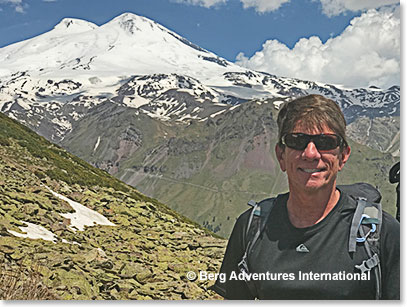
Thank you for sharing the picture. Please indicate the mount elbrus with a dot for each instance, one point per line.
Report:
(176, 121)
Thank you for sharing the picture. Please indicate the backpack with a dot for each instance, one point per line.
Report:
(366, 223)
(394, 177)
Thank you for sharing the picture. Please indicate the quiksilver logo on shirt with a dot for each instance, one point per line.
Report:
(302, 248)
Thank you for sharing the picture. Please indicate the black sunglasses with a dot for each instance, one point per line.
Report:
(299, 141)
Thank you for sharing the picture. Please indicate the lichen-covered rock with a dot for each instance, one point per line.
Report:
(143, 276)
(146, 255)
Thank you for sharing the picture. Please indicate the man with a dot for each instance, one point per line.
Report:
(302, 253)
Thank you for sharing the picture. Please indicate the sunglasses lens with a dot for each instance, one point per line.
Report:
(326, 142)
(296, 141)
(299, 141)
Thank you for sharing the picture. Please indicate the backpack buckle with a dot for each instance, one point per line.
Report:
(371, 230)
(368, 264)
(243, 267)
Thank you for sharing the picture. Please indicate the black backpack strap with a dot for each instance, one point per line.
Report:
(366, 223)
(255, 226)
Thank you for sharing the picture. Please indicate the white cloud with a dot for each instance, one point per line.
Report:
(11, 1)
(337, 7)
(329, 7)
(204, 3)
(263, 6)
(18, 5)
(366, 53)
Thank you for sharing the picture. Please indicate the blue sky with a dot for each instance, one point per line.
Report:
(233, 29)
(225, 29)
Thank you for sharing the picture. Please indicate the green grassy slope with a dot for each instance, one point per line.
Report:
(145, 256)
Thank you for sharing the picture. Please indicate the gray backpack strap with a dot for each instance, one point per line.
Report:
(366, 223)
(356, 222)
(255, 226)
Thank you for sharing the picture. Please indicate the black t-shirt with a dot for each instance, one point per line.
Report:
(312, 262)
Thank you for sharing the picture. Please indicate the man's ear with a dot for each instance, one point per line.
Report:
(344, 157)
(280, 154)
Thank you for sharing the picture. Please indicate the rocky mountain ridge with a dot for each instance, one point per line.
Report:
(53, 107)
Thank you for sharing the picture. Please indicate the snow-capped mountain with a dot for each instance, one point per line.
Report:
(177, 121)
(125, 46)
(52, 80)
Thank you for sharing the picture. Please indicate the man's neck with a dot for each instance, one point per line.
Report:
(307, 209)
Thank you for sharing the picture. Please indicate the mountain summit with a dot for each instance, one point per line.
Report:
(74, 25)
(127, 45)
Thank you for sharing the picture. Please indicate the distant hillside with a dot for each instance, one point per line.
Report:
(119, 244)
(207, 170)
(380, 133)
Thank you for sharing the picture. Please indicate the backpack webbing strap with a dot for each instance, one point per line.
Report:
(372, 263)
(368, 214)
(258, 218)
(252, 213)
(356, 224)
(242, 265)
(365, 213)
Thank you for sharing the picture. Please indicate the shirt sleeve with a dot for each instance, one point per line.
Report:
(228, 286)
(390, 258)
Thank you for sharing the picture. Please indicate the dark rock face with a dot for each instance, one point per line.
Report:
(187, 42)
(218, 61)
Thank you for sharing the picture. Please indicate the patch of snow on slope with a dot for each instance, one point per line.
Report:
(97, 144)
(34, 231)
(135, 101)
(234, 107)
(217, 113)
(278, 103)
(62, 122)
(186, 117)
(23, 104)
(83, 215)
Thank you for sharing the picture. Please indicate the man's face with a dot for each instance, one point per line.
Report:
(311, 169)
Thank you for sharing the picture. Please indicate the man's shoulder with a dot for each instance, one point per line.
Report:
(242, 221)
(243, 218)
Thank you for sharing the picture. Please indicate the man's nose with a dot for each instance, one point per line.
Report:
(311, 152)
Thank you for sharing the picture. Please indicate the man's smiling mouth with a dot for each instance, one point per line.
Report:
(312, 170)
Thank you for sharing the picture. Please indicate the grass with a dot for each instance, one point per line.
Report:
(23, 284)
